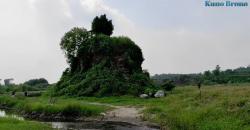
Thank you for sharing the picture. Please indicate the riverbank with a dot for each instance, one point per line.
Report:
(47, 109)
(117, 117)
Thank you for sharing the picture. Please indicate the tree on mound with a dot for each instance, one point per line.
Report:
(100, 65)
(101, 25)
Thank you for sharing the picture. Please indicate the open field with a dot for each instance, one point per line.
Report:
(221, 107)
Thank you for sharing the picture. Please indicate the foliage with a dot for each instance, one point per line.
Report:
(100, 65)
(177, 79)
(102, 81)
(2, 89)
(239, 75)
(216, 76)
(101, 25)
(72, 41)
(22, 88)
(168, 85)
(43, 106)
(217, 70)
(36, 82)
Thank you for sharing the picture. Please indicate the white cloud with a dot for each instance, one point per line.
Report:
(121, 22)
(31, 31)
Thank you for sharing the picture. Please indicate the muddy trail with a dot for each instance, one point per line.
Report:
(129, 115)
(118, 118)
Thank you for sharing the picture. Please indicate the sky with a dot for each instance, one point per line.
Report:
(176, 36)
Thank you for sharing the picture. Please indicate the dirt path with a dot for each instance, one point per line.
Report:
(124, 114)
(128, 114)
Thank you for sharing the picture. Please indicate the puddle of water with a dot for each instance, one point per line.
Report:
(3, 114)
(94, 125)
(90, 125)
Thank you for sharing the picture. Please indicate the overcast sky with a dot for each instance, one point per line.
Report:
(176, 36)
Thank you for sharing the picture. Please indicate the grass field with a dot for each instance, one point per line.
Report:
(221, 107)
(14, 124)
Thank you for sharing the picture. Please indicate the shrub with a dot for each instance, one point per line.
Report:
(168, 86)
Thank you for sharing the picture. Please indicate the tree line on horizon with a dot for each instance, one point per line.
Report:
(209, 77)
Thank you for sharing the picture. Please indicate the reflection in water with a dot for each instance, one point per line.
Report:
(91, 125)
(94, 125)
(3, 114)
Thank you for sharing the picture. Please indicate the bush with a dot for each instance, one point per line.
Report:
(168, 86)
(2, 89)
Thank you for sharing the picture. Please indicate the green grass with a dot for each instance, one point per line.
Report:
(43, 105)
(14, 124)
(221, 107)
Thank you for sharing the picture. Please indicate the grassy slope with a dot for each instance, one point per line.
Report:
(14, 124)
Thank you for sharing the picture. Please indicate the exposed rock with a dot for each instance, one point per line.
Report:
(159, 93)
(143, 96)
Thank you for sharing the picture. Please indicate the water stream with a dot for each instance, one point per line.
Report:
(3, 114)
(90, 125)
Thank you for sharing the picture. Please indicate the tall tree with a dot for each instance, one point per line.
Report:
(207, 74)
(101, 25)
(216, 72)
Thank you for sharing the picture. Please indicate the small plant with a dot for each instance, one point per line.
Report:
(150, 91)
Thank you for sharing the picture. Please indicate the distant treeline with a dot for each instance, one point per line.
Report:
(216, 76)
(40, 84)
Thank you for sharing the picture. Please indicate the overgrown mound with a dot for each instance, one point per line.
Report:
(101, 65)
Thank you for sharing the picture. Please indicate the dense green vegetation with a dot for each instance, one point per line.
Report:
(37, 83)
(101, 25)
(14, 124)
(50, 107)
(101, 65)
(239, 75)
(216, 76)
(32, 85)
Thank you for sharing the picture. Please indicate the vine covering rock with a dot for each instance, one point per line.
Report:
(100, 65)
